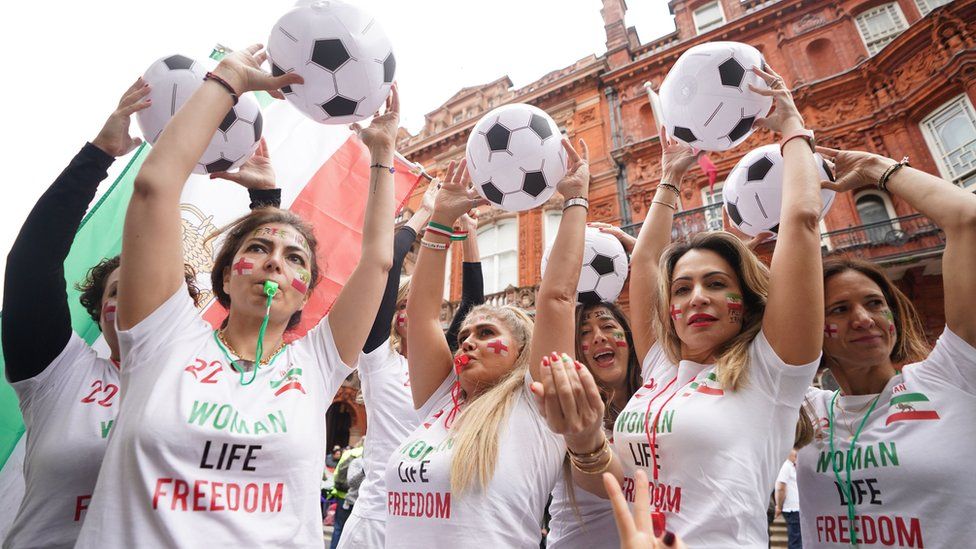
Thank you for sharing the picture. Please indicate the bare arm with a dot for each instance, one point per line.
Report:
(654, 237)
(794, 317)
(152, 264)
(356, 306)
(780, 497)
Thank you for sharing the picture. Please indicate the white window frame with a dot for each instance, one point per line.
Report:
(875, 43)
(716, 223)
(703, 27)
(550, 226)
(889, 207)
(491, 252)
(926, 6)
(935, 143)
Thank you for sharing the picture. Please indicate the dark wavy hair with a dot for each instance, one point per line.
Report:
(92, 288)
(633, 376)
(238, 231)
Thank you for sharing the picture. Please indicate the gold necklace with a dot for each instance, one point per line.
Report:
(240, 357)
(854, 415)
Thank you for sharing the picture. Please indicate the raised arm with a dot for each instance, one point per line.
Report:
(152, 254)
(794, 318)
(430, 357)
(472, 278)
(36, 317)
(654, 236)
(258, 177)
(950, 207)
(357, 304)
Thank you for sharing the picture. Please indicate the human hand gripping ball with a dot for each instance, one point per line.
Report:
(853, 169)
(380, 135)
(456, 196)
(677, 157)
(636, 530)
(256, 173)
(784, 117)
(626, 240)
(242, 71)
(114, 138)
(576, 182)
(569, 399)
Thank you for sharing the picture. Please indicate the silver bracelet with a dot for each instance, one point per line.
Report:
(577, 201)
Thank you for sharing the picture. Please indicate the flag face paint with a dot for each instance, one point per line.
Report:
(675, 312)
(619, 339)
(891, 321)
(830, 331)
(584, 347)
(598, 314)
(108, 311)
(401, 319)
(498, 347)
(734, 303)
(291, 237)
(301, 280)
(244, 266)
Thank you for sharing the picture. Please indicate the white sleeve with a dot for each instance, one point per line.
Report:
(952, 360)
(174, 320)
(55, 376)
(654, 357)
(783, 383)
(784, 473)
(321, 344)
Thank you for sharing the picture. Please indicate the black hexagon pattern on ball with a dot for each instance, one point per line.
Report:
(389, 68)
(339, 106)
(731, 73)
(588, 297)
(258, 127)
(774, 229)
(602, 264)
(276, 71)
(221, 165)
(540, 126)
(685, 134)
(228, 120)
(176, 62)
(493, 193)
(741, 128)
(734, 214)
(498, 137)
(758, 170)
(534, 183)
(329, 54)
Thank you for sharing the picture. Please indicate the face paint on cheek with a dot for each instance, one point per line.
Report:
(584, 347)
(734, 303)
(498, 347)
(831, 331)
(675, 312)
(108, 312)
(402, 319)
(891, 321)
(619, 339)
(244, 266)
(301, 280)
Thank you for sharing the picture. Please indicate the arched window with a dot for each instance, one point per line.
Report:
(823, 58)
(880, 25)
(498, 244)
(876, 215)
(950, 132)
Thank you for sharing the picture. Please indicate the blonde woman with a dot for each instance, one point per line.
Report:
(729, 349)
(479, 469)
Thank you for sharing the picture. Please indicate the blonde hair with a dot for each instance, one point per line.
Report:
(732, 357)
(396, 342)
(476, 430)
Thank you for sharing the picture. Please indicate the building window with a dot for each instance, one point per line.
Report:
(712, 200)
(876, 215)
(498, 244)
(457, 117)
(708, 17)
(926, 6)
(950, 132)
(880, 25)
(551, 226)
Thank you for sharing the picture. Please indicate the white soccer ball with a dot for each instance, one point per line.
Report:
(753, 192)
(705, 97)
(342, 53)
(604, 271)
(516, 157)
(172, 80)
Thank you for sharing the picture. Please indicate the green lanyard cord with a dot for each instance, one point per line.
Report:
(270, 289)
(846, 487)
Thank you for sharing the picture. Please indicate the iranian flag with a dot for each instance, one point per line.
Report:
(910, 407)
(323, 173)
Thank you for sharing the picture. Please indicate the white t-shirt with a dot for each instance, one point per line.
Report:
(911, 473)
(385, 382)
(719, 451)
(594, 526)
(787, 475)
(69, 410)
(197, 459)
(424, 513)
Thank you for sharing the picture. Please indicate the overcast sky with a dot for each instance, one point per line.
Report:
(69, 61)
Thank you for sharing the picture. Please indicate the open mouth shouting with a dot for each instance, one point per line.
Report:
(605, 357)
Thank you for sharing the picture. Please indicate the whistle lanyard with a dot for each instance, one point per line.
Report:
(845, 486)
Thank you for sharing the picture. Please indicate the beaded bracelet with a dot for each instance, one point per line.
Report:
(883, 182)
(223, 83)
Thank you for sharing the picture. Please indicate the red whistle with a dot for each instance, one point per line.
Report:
(459, 362)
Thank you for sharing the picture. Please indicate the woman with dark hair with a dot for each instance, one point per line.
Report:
(729, 349)
(887, 463)
(222, 432)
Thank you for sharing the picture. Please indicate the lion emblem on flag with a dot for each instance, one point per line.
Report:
(198, 252)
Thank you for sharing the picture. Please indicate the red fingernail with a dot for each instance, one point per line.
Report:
(555, 357)
(545, 361)
(579, 366)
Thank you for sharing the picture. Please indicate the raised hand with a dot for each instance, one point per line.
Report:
(576, 182)
(114, 138)
(430, 196)
(569, 399)
(625, 239)
(242, 70)
(456, 196)
(256, 173)
(637, 530)
(469, 222)
(755, 241)
(853, 169)
(784, 117)
(381, 133)
(677, 157)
